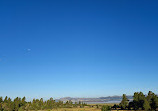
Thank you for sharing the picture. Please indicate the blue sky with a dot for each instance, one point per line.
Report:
(78, 48)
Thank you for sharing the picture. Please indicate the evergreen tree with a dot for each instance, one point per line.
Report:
(124, 102)
(41, 104)
(10, 105)
(154, 102)
(6, 99)
(33, 105)
(149, 97)
(138, 100)
(135, 97)
(146, 105)
(23, 101)
(141, 98)
(17, 103)
(135, 101)
(1, 99)
(150, 102)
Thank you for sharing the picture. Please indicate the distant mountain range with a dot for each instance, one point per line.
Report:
(109, 99)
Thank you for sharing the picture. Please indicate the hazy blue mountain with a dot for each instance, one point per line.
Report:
(109, 99)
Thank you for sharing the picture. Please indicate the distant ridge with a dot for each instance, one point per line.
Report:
(108, 99)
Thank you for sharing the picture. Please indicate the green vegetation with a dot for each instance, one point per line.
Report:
(105, 108)
(124, 102)
(140, 102)
(19, 104)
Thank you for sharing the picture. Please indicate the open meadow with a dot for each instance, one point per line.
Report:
(86, 108)
(74, 109)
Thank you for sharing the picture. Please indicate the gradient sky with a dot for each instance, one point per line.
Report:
(78, 48)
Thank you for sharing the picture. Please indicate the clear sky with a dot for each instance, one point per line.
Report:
(78, 48)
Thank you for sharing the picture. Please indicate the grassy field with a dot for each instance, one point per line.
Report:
(75, 109)
(86, 108)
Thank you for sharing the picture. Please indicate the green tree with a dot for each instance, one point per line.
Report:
(138, 100)
(6, 99)
(1, 99)
(17, 103)
(10, 105)
(149, 96)
(41, 104)
(105, 108)
(97, 106)
(23, 101)
(135, 97)
(33, 104)
(79, 102)
(124, 102)
(154, 102)
(142, 98)
(146, 105)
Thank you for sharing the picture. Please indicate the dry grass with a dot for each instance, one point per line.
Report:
(101, 104)
(75, 109)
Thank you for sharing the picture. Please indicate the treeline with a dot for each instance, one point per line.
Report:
(139, 102)
(20, 104)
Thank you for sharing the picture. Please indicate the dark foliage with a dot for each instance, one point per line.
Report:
(19, 104)
(140, 101)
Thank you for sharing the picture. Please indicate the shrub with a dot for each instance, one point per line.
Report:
(105, 108)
